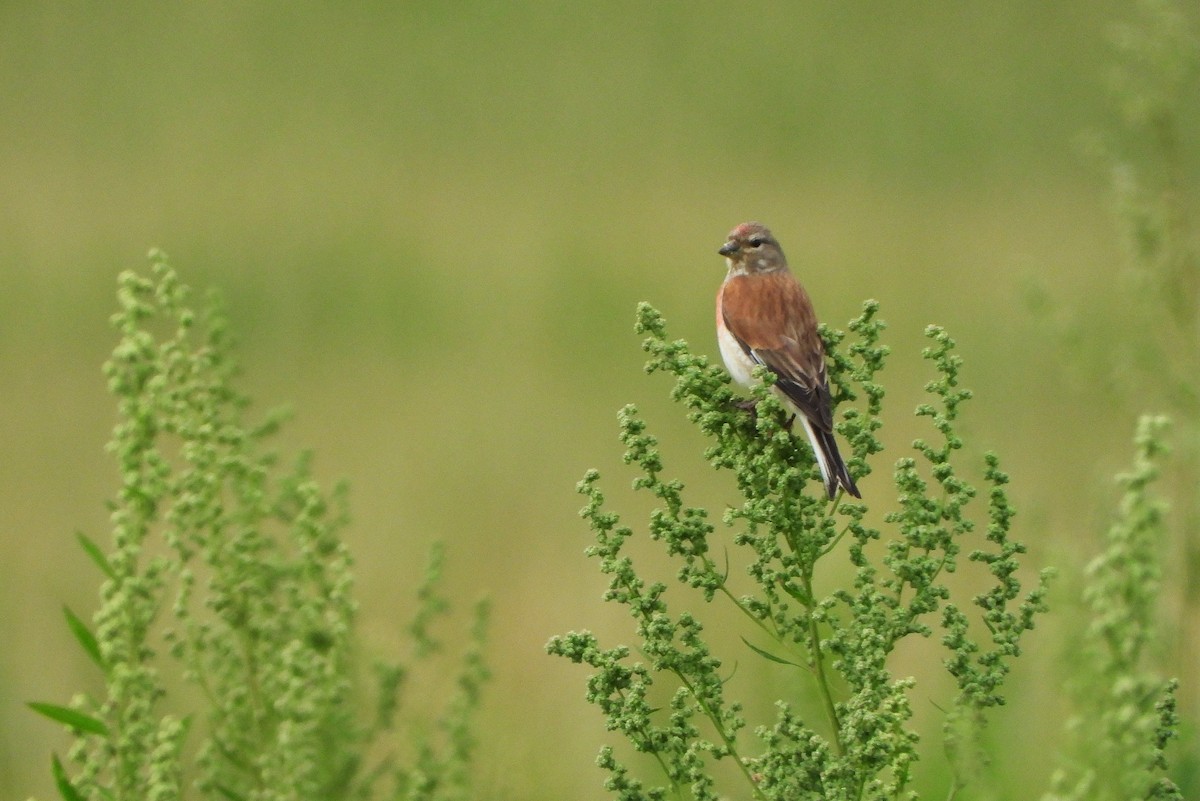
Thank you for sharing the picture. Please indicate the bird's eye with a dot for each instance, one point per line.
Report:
(757, 242)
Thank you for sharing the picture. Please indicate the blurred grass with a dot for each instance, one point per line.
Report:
(431, 226)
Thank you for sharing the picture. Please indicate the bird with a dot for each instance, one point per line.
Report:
(765, 317)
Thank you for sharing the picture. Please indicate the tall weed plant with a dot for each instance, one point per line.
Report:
(225, 634)
(859, 741)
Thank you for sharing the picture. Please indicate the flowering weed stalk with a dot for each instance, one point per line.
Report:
(229, 572)
(1125, 713)
(859, 742)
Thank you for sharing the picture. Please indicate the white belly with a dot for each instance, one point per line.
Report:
(737, 362)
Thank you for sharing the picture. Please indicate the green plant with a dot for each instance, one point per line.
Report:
(864, 745)
(225, 633)
(1126, 711)
(1144, 344)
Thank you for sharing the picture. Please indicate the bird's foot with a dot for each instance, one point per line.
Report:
(750, 407)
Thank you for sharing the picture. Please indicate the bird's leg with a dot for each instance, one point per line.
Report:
(750, 406)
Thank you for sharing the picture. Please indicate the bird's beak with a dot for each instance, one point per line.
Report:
(728, 249)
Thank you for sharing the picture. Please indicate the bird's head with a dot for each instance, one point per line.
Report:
(751, 248)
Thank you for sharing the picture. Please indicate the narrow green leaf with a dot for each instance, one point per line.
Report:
(97, 555)
(768, 655)
(794, 591)
(62, 781)
(84, 635)
(70, 717)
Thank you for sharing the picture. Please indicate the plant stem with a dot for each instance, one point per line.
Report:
(814, 637)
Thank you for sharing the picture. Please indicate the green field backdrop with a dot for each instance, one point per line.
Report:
(431, 223)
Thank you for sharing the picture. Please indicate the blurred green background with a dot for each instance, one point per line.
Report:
(432, 223)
